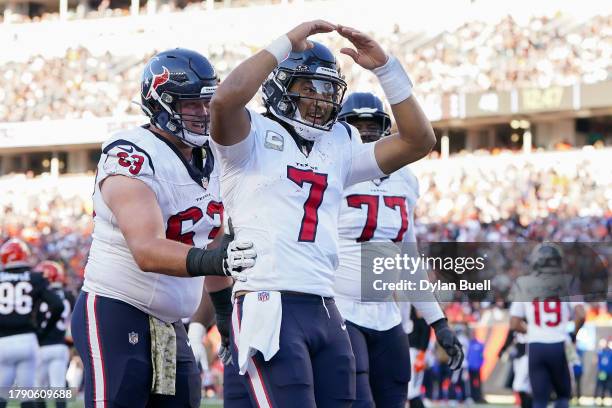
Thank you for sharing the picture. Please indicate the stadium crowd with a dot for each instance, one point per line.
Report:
(563, 198)
(476, 56)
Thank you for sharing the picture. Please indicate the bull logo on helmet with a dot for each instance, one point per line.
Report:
(158, 79)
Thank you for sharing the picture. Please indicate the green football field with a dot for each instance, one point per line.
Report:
(501, 402)
(219, 404)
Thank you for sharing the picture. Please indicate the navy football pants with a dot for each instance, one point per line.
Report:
(383, 366)
(314, 367)
(549, 370)
(113, 340)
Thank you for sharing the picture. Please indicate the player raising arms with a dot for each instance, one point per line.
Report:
(538, 300)
(20, 290)
(282, 181)
(156, 203)
(380, 210)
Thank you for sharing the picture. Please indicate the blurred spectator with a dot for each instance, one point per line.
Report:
(475, 57)
(604, 371)
(475, 360)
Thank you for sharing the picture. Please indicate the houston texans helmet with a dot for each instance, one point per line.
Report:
(546, 258)
(316, 74)
(365, 106)
(171, 77)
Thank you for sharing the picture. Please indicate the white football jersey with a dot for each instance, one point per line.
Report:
(547, 315)
(380, 210)
(191, 210)
(287, 203)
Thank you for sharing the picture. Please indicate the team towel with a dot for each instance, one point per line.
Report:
(163, 356)
(259, 329)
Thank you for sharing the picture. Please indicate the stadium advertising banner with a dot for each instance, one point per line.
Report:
(488, 104)
(596, 95)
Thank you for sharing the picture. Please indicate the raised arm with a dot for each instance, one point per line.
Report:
(230, 122)
(415, 137)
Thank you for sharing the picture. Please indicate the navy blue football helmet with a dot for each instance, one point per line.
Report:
(171, 77)
(365, 106)
(547, 258)
(311, 75)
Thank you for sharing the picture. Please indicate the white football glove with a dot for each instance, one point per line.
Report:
(240, 256)
(195, 335)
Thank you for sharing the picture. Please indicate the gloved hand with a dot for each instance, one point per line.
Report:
(449, 342)
(222, 301)
(230, 258)
(195, 335)
(239, 255)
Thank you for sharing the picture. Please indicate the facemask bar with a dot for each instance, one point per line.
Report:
(321, 88)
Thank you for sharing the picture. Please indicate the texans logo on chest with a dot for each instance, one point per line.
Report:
(379, 181)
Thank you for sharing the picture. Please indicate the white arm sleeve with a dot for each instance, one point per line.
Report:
(236, 156)
(425, 301)
(362, 162)
(517, 309)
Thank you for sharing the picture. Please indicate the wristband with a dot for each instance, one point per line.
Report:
(203, 262)
(394, 81)
(280, 48)
(439, 324)
(222, 301)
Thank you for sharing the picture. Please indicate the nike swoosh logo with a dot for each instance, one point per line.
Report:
(126, 150)
(343, 326)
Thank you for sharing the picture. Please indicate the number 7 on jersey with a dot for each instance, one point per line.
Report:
(318, 185)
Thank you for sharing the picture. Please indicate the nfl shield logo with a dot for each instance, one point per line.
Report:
(205, 182)
(133, 338)
(263, 296)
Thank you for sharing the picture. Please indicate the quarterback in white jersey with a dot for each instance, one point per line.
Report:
(283, 175)
(379, 210)
(542, 301)
(156, 209)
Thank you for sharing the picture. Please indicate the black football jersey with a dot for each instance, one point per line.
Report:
(55, 334)
(20, 291)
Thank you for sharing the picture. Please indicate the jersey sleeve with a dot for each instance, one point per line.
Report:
(124, 158)
(362, 164)
(235, 157)
(517, 309)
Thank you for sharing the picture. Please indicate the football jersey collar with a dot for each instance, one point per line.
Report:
(196, 173)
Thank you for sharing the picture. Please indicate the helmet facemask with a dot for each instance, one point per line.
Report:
(371, 128)
(192, 129)
(309, 103)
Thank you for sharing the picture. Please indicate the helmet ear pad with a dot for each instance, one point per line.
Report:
(287, 105)
(163, 120)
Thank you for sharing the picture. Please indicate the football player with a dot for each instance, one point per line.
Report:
(282, 180)
(418, 335)
(54, 353)
(157, 209)
(20, 290)
(539, 300)
(380, 210)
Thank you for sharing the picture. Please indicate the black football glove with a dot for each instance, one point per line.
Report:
(222, 301)
(449, 342)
